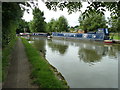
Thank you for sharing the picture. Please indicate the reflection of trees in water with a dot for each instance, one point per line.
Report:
(40, 45)
(88, 55)
(57, 47)
(94, 55)
(114, 51)
(111, 51)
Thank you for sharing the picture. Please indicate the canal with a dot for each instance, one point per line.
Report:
(84, 64)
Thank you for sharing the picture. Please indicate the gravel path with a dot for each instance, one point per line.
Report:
(19, 71)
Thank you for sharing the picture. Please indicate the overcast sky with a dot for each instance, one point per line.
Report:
(49, 14)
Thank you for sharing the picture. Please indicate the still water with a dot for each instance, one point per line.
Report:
(84, 64)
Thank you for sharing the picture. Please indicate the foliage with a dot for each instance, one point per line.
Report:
(11, 14)
(114, 23)
(71, 6)
(100, 7)
(62, 24)
(93, 22)
(38, 23)
(115, 36)
(55, 26)
(41, 71)
(31, 26)
(59, 25)
(23, 27)
(50, 27)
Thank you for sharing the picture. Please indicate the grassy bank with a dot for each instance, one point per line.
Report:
(6, 53)
(116, 36)
(42, 74)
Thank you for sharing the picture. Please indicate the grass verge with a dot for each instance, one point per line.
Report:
(116, 36)
(6, 53)
(42, 74)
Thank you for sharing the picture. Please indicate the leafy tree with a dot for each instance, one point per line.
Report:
(31, 26)
(55, 26)
(38, 23)
(115, 24)
(50, 25)
(23, 27)
(11, 15)
(58, 25)
(62, 24)
(93, 22)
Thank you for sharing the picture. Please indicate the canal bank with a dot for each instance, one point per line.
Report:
(43, 74)
(84, 64)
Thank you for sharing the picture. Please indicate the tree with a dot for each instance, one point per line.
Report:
(11, 15)
(62, 24)
(93, 22)
(23, 27)
(55, 26)
(58, 25)
(115, 24)
(38, 23)
(50, 27)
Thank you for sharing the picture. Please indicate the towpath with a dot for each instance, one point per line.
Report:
(19, 71)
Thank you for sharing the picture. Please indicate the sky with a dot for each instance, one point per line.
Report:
(49, 14)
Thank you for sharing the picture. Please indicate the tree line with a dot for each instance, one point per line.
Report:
(91, 23)
(12, 22)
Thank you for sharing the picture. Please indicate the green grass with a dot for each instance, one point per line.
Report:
(6, 53)
(42, 73)
(116, 36)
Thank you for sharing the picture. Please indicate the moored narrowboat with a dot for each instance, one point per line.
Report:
(101, 35)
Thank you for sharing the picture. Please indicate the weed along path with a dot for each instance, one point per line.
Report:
(19, 71)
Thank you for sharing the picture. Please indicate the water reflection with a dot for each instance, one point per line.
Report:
(89, 56)
(111, 51)
(92, 54)
(40, 44)
(61, 48)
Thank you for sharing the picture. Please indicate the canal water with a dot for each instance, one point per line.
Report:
(84, 64)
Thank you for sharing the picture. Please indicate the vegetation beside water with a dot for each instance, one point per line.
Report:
(42, 73)
(116, 36)
(6, 53)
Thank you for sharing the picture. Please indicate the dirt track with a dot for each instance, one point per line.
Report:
(19, 71)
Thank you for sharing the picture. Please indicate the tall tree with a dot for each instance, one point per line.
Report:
(93, 22)
(58, 25)
(62, 24)
(38, 23)
(50, 27)
(11, 15)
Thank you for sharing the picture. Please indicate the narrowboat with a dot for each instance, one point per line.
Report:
(101, 35)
